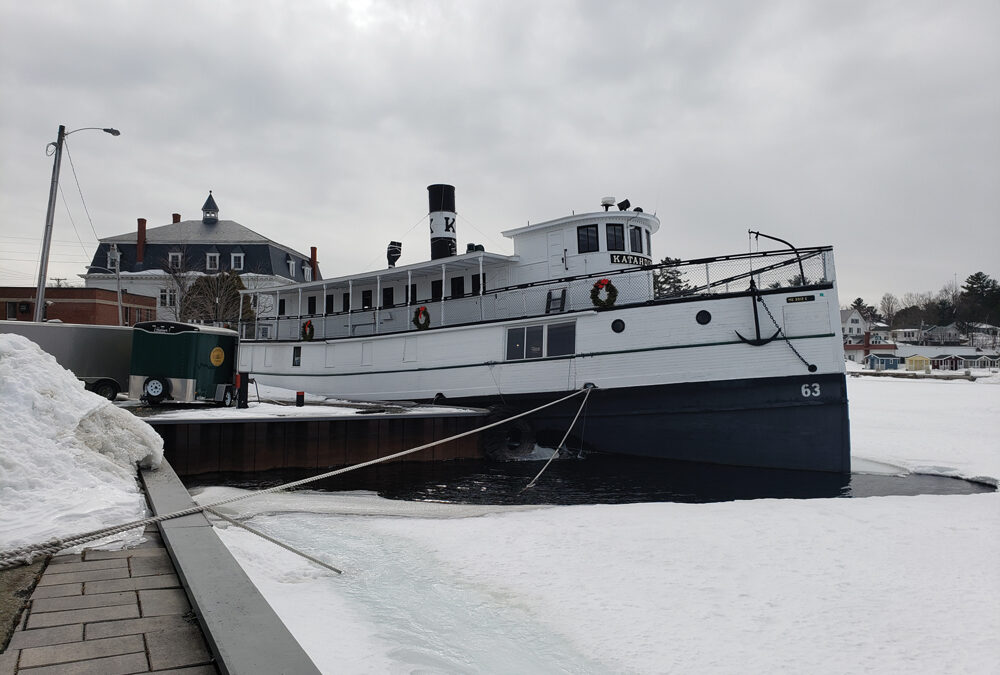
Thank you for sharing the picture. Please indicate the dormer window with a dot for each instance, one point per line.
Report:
(236, 261)
(307, 273)
(175, 260)
(291, 268)
(112, 262)
(212, 262)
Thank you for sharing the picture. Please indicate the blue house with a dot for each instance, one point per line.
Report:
(882, 362)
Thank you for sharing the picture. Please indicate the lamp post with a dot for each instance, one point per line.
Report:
(116, 254)
(43, 266)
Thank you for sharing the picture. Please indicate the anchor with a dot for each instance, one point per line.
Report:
(759, 342)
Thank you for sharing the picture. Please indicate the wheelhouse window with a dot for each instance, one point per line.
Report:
(586, 239)
(211, 262)
(616, 237)
(531, 342)
(635, 239)
(236, 261)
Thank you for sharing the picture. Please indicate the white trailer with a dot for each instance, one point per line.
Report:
(98, 355)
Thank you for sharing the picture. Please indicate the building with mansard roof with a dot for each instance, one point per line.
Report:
(164, 261)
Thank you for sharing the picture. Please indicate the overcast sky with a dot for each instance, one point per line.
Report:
(872, 126)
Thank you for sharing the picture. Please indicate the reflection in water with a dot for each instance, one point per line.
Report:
(599, 479)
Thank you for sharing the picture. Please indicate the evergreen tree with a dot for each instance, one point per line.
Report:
(669, 281)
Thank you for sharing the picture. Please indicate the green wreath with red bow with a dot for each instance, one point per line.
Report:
(308, 330)
(609, 288)
(422, 318)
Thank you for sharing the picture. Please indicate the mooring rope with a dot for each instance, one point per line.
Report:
(555, 452)
(25, 554)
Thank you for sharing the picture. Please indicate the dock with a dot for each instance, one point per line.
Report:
(177, 603)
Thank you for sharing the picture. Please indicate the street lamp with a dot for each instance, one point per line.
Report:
(43, 266)
(118, 276)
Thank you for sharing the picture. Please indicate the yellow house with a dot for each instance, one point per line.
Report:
(917, 362)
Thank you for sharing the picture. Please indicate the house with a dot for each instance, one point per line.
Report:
(882, 362)
(917, 362)
(943, 335)
(858, 348)
(77, 305)
(947, 362)
(852, 324)
(907, 335)
(165, 261)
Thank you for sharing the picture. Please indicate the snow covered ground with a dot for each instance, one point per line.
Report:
(67, 456)
(883, 584)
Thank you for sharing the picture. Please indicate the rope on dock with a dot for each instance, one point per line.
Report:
(26, 554)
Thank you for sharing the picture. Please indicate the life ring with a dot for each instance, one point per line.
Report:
(422, 318)
(595, 294)
(308, 330)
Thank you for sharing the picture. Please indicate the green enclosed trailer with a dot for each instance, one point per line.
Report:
(183, 362)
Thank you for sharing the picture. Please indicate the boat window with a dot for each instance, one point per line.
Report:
(329, 304)
(562, 339)
(413, 295)
(533, 342)
(366, 299)
(649, 244)
(635, 237)
(515, 344)
(586, 239)
(296, 356)
(457, 287)
(281, 307)
(436, 289)
(478, 282)
(616, 237)
(387, 297)
(346, 307)
(311, 304)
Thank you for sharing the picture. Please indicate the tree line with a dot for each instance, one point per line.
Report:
(977, 301)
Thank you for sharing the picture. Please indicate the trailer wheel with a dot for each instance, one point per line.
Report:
(106, 389)
(155, 389)
(227, 398)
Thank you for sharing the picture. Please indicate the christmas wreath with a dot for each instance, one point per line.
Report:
(422, 318)
(595, 294)
(308, 330)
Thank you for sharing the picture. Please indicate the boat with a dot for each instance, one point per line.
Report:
(733, 359)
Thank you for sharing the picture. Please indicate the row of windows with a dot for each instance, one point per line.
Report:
(525, 342)
(389, 296)
(614, 235)
(176, 261)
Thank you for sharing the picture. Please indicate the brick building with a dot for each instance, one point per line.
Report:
(78, 305)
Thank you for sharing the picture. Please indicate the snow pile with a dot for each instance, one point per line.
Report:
(68, 459)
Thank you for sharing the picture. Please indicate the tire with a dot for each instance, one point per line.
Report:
(106, 389)
(508, 441)
(227, 398)
(155, 389)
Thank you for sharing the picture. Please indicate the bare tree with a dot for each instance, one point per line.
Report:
(889, 306)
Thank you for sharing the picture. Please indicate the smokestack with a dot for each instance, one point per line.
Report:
(177, 218)
(140, 243)
(441, 201)
(313, 263)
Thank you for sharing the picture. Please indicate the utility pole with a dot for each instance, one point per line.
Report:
(43, 265)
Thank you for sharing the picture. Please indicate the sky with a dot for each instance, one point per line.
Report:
(870, 126)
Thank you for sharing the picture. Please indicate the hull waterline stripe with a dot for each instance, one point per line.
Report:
(582, 355)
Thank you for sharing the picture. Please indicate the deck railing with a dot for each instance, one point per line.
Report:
(680, 279)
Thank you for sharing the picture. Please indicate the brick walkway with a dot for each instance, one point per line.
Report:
(109, 613)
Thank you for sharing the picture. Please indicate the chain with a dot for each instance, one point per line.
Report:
(810, 366)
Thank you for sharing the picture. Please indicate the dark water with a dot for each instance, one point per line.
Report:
(598, 479)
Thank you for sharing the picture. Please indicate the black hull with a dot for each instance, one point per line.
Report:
(798, 423)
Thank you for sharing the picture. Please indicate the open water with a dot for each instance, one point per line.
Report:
(601, 479)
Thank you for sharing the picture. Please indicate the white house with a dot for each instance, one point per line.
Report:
(852, 325)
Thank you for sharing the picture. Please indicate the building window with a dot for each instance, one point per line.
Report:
(311, 305)
(388, 297)
(366, 299)
(168, 297)
(12, 311)
(616, 237)
(586, 239)
(236, 261)
(307, 272)
(635, 239)
(175, 260)
(457, 287)
(296, 356)
(127, 315)
(211, 262)
(291, 268)
(112, 261)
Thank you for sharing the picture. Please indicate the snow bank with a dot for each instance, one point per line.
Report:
(68, 460)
